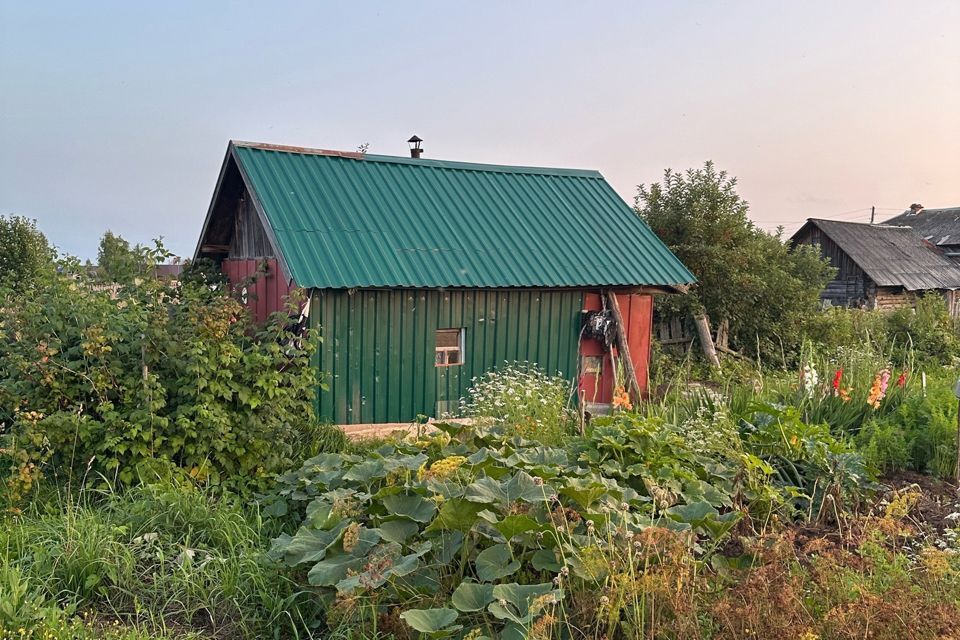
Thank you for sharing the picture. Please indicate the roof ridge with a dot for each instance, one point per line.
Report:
(266, 146)
(421, 162)
(872, 225)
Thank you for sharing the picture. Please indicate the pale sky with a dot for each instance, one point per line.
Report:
(117, 114)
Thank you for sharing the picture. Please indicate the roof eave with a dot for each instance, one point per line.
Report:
(261, 214)
(213, 201)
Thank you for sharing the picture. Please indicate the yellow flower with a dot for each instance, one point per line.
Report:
(441, 469)
(936, 562)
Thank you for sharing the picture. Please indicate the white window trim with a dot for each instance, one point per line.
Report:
(446, 350)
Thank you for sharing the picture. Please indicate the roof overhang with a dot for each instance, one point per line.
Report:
(231, 161)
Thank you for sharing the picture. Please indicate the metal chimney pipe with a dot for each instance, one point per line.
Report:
(415, 149)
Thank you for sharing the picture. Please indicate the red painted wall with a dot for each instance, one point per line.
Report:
(268, 293)
(637, 310)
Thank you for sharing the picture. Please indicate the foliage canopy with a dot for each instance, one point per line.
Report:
(122, 381)
(25, 254)
(746, 276)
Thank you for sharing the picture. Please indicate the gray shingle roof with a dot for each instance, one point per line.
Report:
(939, 226)
(892, 256)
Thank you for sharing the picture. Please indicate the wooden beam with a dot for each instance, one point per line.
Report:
(706, 340)
(622, 345)
(669, 289)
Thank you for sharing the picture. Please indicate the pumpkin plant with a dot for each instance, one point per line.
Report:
(475, 533)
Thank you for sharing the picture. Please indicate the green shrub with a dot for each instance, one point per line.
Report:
(824, 476)
(884, 446)
(524, 399)
(928, 330)
(321, 437)
(926, 333)
(926, 424)
(476, 528)
(117, 385)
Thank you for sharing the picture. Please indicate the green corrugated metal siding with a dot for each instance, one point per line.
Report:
(378, 345)
(380, 221)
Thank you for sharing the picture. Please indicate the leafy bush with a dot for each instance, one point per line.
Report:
(26, 258)
(475, 531)
(478, 530)
(120, 384)
(928, 330)
(905, 337)
(823, 475)
(920, 435)
(745, 276)
(884, 446)
(523, 398)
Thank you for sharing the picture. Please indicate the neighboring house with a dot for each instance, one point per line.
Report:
(422, 274)
(880, 266)
(940, 227)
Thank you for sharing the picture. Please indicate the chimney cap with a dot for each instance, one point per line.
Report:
(415, 149)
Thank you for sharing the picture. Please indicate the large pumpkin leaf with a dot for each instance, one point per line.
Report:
(414, 507)
(513, 601)
(586, 491)
(470, 596)
(366, 471)
(513, 631)
(515, 525)
(309, 545)
(545, 560)
(429, 620)
(547, 457)
(721, 525)
(519, 487)
(397, 530)
(495, 562)
(692, 513)
(486, 491)
(449, 544)
(457, 514)
(318, 513)
(408, 462)
(329, 572)
(702, 516)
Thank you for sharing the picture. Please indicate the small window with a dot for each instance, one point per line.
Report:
(449, 347)
(592, 365)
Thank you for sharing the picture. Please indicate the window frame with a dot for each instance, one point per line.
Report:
(446, 351)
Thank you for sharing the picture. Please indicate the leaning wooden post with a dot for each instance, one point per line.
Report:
(622, 346)
(706, 340)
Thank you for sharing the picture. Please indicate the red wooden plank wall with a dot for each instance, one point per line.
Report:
(268, 293)
(637, 310)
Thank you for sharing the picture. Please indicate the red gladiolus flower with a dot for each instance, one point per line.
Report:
(902, 380)
(836, 381)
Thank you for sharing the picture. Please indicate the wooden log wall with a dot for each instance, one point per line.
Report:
(249, 239)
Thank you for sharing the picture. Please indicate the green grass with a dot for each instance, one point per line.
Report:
(160, 559)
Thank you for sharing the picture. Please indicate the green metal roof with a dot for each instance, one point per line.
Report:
(345, 220)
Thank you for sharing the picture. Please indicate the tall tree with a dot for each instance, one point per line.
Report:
(25, 254)
(746, 276)
(117, 261)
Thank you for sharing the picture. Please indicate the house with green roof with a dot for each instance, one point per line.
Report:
(423, 274)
